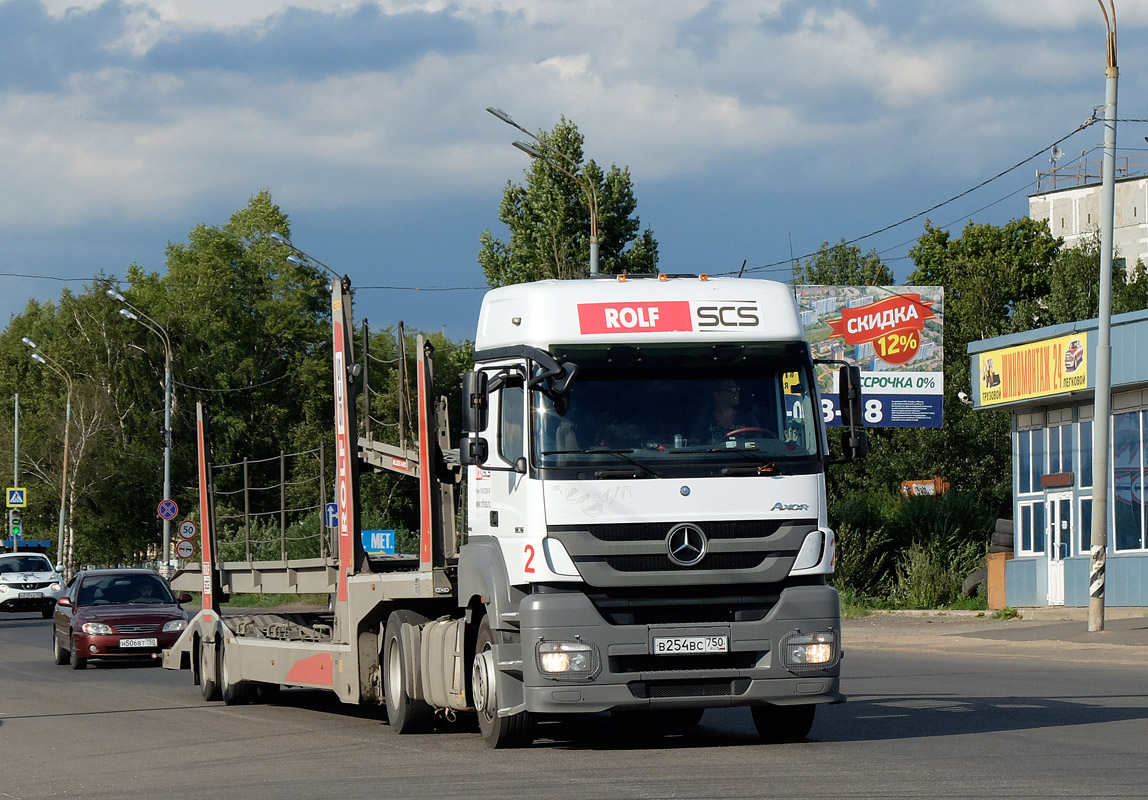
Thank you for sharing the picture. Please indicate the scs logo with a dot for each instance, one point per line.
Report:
(790, 507)
(740, 315)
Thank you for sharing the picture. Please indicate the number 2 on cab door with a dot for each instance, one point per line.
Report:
(528, 551)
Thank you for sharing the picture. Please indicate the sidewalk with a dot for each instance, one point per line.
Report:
(1126, 627)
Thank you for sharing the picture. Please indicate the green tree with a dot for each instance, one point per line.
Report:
(1074, 285)
(549, 218)
(844, 265)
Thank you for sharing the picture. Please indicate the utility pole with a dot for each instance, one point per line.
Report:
(1100, 419)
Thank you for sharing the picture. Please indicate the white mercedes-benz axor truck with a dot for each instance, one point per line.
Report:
(645, 531)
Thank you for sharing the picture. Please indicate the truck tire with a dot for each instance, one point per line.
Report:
(208, 687)
(777, 724)
(77, 662)
(59, 652)
(973, 583)
(405, 714)
(498, 732)
(234, 693)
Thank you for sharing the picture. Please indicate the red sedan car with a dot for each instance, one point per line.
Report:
(116, 614)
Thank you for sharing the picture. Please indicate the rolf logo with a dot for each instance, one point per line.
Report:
(666, 316)
(790, 507)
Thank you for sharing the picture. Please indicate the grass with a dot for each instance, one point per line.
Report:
(854, 606)
(268, 600)
(1008, 612)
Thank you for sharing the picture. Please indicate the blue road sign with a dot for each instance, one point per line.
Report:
(331, 515)
(379, 542)
(17, 497)
(168, 509)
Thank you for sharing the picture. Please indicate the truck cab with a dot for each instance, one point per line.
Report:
(646, 523)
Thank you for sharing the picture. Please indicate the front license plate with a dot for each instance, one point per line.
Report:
(689, 645)
(139, 643)
(30, 595)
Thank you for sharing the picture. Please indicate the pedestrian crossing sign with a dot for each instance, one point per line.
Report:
(17, 497)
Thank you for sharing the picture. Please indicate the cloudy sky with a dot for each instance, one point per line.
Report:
(753, 129)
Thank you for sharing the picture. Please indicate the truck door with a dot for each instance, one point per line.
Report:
(500, 487)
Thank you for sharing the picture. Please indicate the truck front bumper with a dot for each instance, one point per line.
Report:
(621, 670)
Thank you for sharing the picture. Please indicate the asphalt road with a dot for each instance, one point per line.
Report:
(937, 708)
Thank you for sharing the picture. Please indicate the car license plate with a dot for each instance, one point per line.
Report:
(30, 595)
(689, 645)
(139, 643)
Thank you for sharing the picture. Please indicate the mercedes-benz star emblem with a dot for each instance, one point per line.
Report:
(686, 544)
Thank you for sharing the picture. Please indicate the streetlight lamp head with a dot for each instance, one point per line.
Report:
(524, 147)
(112, 293)
(294, 259)
(29, 342)
(128, 315)
(502, 115)
(278, 239)
(39, 358)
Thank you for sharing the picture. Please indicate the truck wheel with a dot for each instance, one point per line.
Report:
(404, 713)
(235, 693)
(208, 687)
(77, 662)
(516, 730)
(60, 653)
(783, 723)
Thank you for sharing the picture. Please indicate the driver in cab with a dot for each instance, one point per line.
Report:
(723, 414)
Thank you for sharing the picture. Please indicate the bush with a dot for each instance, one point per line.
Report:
(929, 575)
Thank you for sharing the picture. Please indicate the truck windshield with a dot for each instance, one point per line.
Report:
(660, 411)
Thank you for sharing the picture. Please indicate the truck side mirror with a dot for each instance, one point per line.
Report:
(475, 401)
(473, 450)
(849, 395)
(854, 443)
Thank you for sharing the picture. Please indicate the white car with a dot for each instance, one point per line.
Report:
(29, 582)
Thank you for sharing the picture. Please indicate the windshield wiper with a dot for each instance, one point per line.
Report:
(622, 454)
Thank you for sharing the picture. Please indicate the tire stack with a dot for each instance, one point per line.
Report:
(1002, 539)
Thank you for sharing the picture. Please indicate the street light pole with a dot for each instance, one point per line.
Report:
(64, 547)
(159, 331)
(575, 174)
(1100, 421)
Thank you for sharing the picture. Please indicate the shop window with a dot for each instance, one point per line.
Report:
(1031, 462)
(1060, 440)
(1086, 453)
(1031, 516)
(1084, 527)
(1128, 480)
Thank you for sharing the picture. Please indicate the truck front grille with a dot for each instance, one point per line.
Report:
(737, 552)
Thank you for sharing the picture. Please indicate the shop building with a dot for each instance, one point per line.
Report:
(1045, 379)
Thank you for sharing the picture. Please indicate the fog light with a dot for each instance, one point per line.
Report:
(567, 659)
(810, 652)
(93, 649)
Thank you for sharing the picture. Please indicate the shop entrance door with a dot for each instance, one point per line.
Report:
(1058, 512)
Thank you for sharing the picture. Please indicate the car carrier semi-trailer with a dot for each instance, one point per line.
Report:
(645, 527)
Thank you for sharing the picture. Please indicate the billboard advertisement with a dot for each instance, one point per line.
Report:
(894, 334)
(1035, 369)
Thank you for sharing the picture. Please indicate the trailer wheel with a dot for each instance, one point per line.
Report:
(235, 693)
(208, 687)
(404, 713)
(516, 730)
(783, 723)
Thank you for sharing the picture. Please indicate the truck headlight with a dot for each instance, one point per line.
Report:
(810, 652)
(567, 659)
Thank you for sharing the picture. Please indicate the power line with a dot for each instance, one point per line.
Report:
(776, 264)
